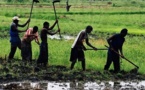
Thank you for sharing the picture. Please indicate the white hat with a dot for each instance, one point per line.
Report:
(16, 18)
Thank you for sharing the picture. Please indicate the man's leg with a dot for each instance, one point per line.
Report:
(19, 46)
(108, 63)
(73, 57)
(25, 52)
(28, 51)
(72, 64)
(43, 56)
(12, 52)
(81, 57)
(83, 65)
(40, 56)
(46, 57)
(30, 48)
(116, 63)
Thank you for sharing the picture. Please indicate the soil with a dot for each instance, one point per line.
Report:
(16, 70)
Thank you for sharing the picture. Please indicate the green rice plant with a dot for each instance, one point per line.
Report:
(102, 19)
(106, 20)
(59, 53)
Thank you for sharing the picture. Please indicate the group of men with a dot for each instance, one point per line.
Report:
(25, 44)
(77, 50)
(115, 46)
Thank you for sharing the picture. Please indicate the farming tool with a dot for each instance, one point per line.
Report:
(36, 1)
(99, 49)
(67, 6)
(55, 1)
(133, 70)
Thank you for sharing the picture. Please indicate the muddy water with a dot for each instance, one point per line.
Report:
(105, 85)
(66, 37)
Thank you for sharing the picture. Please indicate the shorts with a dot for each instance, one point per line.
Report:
(77, 53)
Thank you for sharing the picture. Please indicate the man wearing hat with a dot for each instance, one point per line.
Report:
(14, 36)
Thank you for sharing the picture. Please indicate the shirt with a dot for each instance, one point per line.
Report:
(117, 41)
(14, 36)
(79, 39)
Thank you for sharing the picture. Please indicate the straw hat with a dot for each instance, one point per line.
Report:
(15, 18)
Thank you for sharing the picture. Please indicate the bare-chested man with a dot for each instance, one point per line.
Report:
(43, 56)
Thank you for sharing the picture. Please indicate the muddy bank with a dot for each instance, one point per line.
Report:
(19, 71)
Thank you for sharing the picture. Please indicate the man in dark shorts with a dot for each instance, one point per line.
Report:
(26, 48)
(78, 47)
(43, 56)
(14, 36)
(116, 43)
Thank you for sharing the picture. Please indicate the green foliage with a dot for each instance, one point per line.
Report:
(105, 19)
(59, 53)
(9, 1)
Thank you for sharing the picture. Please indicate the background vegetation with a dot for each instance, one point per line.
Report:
(106, 16)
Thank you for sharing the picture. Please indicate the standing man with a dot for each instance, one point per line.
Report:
(43, 56)
(78, 47)
(26, 49)
(116, 43)
(14, 36)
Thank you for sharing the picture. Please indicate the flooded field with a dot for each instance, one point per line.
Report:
(100, 85)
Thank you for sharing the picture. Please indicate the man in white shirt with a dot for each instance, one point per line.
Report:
(78, 47)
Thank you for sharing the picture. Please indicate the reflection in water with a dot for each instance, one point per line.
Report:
(76, 86)
(67, 37)
(119, 85)
(57, 86)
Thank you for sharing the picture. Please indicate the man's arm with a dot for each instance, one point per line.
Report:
(121, 50)
(14, 28)
(52, 33)
(23, 25)
(36, 38)
(53, 25)
(109, 40)
(37, 41)
(88, 43)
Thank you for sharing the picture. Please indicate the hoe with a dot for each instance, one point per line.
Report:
(36, 1)
(55, 1)
(133, 70)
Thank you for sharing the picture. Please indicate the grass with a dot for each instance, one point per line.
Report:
(105, 19)
(59, 53)
(102, 18)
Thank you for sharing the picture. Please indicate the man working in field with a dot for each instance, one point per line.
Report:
(116, 43)
(26, 51)
(14, 36)
(78, 47)
(43, 56)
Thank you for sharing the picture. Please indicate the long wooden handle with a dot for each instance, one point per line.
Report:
(30, 13)
(123, 57)
(56, 19)
(99, 49)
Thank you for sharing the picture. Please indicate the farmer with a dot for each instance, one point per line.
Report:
(78, 47)
(26, 49)
(43, 56)
(14, 36)
(115, 44)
